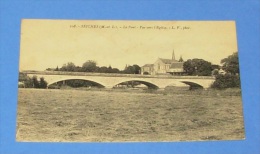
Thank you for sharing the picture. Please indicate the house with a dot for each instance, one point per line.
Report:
(163, 66)
(147, 69)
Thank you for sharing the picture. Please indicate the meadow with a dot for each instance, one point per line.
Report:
(82, 115)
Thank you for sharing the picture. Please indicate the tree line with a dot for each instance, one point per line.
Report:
(91, 66)
(33, 82)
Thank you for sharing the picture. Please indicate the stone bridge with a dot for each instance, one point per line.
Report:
(110, 80)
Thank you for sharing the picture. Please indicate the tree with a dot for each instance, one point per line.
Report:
(22, 77)
(231, 64)
(70, 67)
(197, 67)
(77, 69)
(64, 67)
(89, 66)
(129, 70)
(181, 60)
(109, 69)
(35, 82)
(28, 82)
(203, 68)
(214, 66)
(215, 72)
(231, 79)
(103, 69)
(38, 84)
(137, 69)
(115, 70)
(57, 69)
(188, 67)
(42, 83)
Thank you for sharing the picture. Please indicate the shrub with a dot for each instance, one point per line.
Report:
(31, 82)
(42, 83)
(224, 81)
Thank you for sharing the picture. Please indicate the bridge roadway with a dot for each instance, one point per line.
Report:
(109, 80)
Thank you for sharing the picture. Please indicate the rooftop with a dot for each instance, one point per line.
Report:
(167, 61)
(148, 65)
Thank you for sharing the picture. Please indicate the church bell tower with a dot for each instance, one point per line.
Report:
(173, 56)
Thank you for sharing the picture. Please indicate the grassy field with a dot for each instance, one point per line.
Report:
(128, 115)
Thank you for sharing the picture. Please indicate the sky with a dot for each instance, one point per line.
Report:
(51, 43)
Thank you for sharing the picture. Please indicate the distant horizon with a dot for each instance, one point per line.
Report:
(51, 43)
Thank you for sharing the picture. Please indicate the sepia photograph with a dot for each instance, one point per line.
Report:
(128, 81)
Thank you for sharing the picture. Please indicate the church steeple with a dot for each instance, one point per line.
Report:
(173, 56)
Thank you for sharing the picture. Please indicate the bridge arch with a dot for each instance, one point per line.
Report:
(69, 79)
(149, 84)
(193, 85)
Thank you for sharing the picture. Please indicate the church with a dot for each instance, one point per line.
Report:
(164, 66)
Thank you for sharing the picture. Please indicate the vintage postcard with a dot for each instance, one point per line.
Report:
(128, 81)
